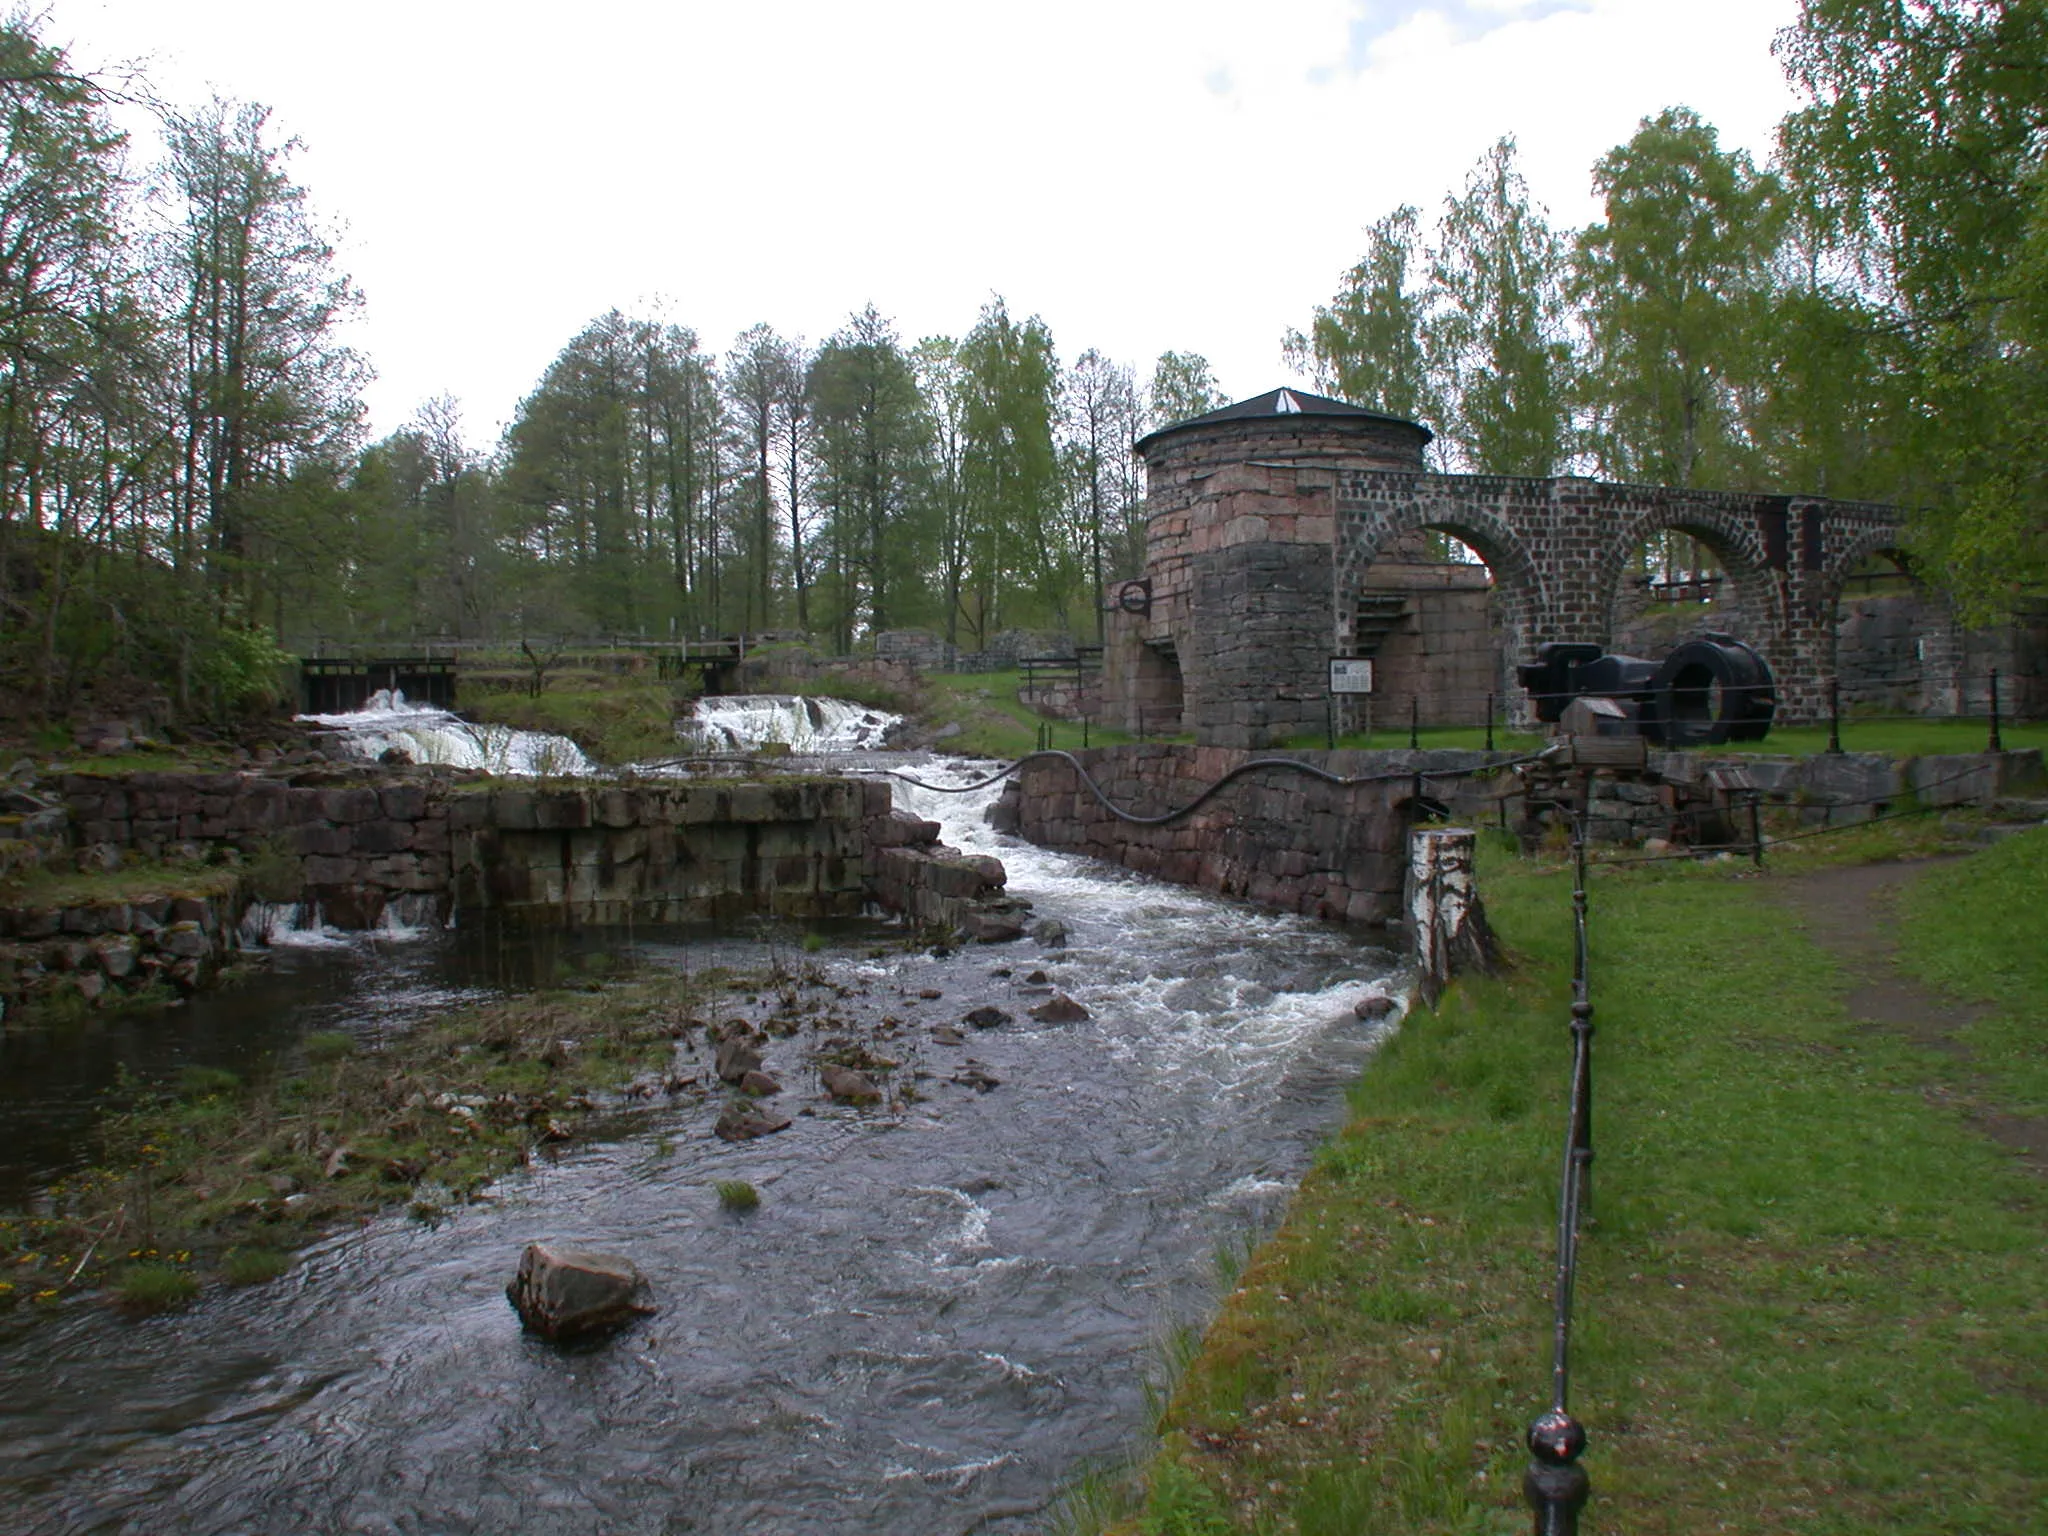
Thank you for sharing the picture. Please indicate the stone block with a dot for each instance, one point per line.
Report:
(561, 810)
(350, 805)
(512, 810)
(403, 802)
(375, 837)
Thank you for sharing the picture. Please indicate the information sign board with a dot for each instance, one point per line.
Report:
(1350, 674)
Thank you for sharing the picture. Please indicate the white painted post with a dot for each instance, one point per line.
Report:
(1445, 916)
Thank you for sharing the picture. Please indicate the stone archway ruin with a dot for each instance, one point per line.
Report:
(1265, 519)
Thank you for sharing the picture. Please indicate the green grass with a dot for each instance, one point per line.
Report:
(154, 1286)
(737, 1195)
(994, 722)
(1811, 1301)
(1896, 738)
(138, 881)
(1975, 930)
(1900, 738)
(615, 719)
(253, 1266)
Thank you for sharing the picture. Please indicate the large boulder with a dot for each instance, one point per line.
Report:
(568, 1293)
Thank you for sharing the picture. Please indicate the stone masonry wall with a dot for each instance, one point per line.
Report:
(1279, 839)
(667, 850)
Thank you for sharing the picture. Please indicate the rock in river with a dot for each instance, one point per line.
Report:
(736, 1058)
(565, 1293)
(1060, 1009)
(849, 1086)
(743, 1121)
(986, 1018)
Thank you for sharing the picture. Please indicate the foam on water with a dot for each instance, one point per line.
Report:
(1264, 983)
(303, 925)
(743, 722)
(428, 735)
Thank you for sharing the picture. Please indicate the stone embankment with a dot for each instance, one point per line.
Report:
(353, 844)
(1290, 840)
(1278, 838)
(91, 948)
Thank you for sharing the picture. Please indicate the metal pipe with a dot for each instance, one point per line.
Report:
(1997, 742)
(1835, 715)
(1414, 716)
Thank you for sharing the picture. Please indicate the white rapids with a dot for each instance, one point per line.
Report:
(808, 726)
(428, 735)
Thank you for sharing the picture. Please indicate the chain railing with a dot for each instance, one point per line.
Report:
(1556, 1486)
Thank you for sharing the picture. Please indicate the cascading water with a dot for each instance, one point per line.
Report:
(420, 734)
(936, 1315)
(806, 725)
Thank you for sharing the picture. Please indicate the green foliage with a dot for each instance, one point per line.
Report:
(737, 1195)
(1183, 386)
(1009, 473)
(1673, 288)
(872, 438)
(155, 1286)
(244, 666)
(1920, 152)
(253, 1266)
(1365, 346)
(1496, 331)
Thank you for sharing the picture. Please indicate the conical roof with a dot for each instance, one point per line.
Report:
(1281, 402)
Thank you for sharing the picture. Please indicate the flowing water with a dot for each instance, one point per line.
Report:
(420, 733)
(934, 1317)
(742, 721)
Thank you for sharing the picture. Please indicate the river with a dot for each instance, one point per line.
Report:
(934, 1318)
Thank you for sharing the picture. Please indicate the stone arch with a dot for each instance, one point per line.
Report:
(1752, 606)
(1914, 663)
(1520, 596)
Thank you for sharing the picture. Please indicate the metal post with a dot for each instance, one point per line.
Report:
(1756, 829)
(1556, 1486)
(1997, 743)
(1414, 718)
(1835, 715)
(1489, 722)
(1084, 733)
(1330, 719)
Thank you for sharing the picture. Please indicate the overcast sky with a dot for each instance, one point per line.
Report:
(1144, 174)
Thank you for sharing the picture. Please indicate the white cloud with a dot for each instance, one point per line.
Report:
(509, 170)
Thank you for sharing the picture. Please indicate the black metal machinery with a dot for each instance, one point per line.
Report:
(1709, 691)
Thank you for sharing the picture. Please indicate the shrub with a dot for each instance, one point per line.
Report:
(737, 1194)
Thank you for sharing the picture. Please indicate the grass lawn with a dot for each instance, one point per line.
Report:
(1812, 1299)
(994, 723)
(1897, 738)
(614, 719)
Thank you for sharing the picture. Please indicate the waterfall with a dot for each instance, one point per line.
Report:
(386, 722)
(744, 722)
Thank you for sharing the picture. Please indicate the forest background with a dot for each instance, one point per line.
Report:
(185, 485)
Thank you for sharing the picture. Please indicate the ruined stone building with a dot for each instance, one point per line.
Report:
(1289, 529)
